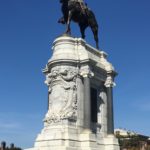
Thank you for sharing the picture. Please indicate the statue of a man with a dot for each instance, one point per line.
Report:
(78, 11)
(82, 4)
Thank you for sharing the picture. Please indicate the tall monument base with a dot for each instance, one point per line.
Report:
(80, 111)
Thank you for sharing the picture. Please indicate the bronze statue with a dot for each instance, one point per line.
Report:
(78, 11)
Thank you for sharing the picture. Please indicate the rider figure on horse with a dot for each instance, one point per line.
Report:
(78, 11)
(82, 4)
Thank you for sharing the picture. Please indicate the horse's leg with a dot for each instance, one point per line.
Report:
(94, 26)
(68, 30)
(95, 32)
(82, 30)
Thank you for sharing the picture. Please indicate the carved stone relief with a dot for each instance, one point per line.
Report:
(62, 93)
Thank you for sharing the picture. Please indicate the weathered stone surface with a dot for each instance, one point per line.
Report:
(62, 94)
(74, 68)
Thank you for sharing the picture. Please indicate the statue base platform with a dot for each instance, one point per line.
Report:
(78, 117)
(71, 138)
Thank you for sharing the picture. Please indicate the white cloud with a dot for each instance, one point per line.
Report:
(142, 105)
(9, 125)
(145, 106)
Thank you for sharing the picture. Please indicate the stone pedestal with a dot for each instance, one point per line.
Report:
(80, 107)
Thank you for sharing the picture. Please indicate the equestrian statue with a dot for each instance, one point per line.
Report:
(77, 11)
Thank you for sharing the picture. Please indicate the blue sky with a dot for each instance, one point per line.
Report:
(27, 30)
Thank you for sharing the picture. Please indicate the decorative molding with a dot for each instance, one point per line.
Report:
(103, 60)
(86, 72)
(109, 82)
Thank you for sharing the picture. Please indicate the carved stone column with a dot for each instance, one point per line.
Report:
(87, 74)
(80, 103)
(110, 117)
(103, 111)
(87, 103)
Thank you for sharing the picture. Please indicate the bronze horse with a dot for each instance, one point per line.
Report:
(81, 14)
